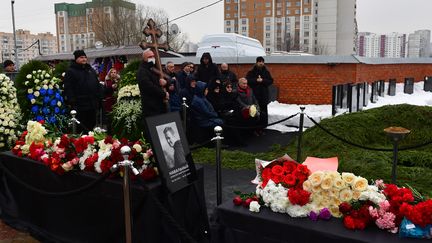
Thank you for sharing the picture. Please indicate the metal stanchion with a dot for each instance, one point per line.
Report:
(396, 134)
(218, 131)
(302, 108)
(184, 112)
(127, 165)
(74, 121)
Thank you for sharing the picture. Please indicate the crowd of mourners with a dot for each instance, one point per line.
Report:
(216, 97)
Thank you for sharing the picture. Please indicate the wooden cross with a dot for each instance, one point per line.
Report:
(155, 33)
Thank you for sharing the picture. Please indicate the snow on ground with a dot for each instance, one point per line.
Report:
(278, 111)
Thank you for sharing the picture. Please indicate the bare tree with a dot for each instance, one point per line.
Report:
(124, 26)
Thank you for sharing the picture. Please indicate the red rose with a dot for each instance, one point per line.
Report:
(290, 180)
(237, 201)
(277, 178)
(277, 170)
(266, 174)
(289, 166)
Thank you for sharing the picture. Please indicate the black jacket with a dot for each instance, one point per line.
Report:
(209, 72)
(152, 94)
(260, 89)
(82, 89)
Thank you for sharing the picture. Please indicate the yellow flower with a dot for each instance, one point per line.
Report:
(348, 177)
(327, 182)
(339, 183)
(316, 178)
(345, 195)
(334, 210)
(316, 189)
(307, 186)
(360, 184)
(356, 195)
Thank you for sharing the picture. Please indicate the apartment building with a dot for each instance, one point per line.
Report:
(322, 27)
(29, 45)
(79, 26)
(419, 43)
(392, 45)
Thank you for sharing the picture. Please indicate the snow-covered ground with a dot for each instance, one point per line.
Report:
(278, 111)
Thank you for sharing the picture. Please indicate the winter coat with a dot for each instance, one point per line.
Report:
(260, 89)
(152, 94)
(209, 72)
(202, 110)
(82, 89)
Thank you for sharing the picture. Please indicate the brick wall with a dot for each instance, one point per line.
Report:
(312, 83)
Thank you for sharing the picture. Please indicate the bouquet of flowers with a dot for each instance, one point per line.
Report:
(281, 186)
(10, 113)
(44, 95)
(93, 152)
(127, 113)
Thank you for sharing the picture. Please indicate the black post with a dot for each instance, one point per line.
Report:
(300, 133)
(218, 138)
(396, 134)
(395, 160)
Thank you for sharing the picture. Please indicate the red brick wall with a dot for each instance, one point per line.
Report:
(312, 83)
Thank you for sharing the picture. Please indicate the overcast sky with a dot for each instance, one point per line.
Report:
(379, 16)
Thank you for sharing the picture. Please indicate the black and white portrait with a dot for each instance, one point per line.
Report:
(171, 150)
(171, 145)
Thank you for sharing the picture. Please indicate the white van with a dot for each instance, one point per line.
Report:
(230, 45)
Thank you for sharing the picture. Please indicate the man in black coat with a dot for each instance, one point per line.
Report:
(83, 92)
(207, 70)
(154, 99)
(259, 79)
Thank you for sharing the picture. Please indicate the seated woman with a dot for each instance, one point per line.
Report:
(203, 114)
(247, 110)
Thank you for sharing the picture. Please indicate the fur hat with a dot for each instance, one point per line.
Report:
(79, 53)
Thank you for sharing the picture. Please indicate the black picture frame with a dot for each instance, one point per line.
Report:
(174, 159)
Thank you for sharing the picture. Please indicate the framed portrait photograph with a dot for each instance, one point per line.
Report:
(171, 150)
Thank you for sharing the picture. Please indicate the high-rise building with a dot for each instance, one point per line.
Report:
(392, 45)
(324, 27)
(419, 43)
(28, 45)
(80, 26)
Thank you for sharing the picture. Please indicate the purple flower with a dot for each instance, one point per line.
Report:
(313, 216)
(324, 214)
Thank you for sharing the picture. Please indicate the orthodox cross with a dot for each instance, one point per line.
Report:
(155, 33)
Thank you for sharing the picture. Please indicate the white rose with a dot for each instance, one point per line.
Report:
(28, 76)
(33, 101)
(36, 93)
(30, 91)
(254, 207)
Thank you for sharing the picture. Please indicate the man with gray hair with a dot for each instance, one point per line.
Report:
(153, 96)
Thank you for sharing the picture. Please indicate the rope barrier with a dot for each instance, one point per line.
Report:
(260, 127)
(53, 194)
(252, 127)
(365, 147)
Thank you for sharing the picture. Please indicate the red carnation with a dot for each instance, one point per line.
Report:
(349, 222)
(298, 196)
(345, 208)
